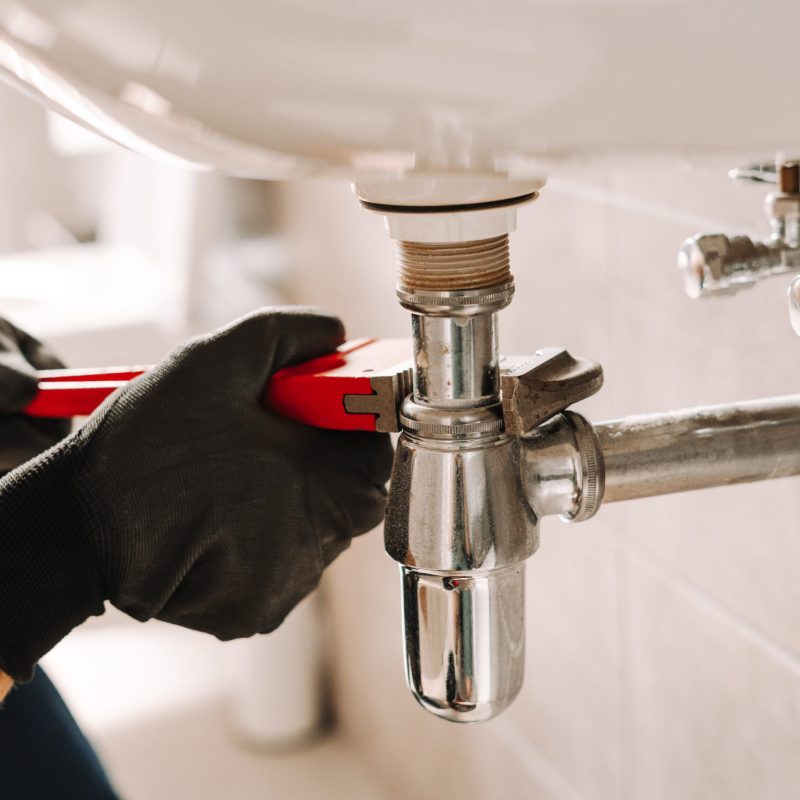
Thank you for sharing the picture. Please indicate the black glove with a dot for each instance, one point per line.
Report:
(182, 498)
(22, 438)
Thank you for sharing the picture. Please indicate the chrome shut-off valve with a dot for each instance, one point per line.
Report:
(715, 264)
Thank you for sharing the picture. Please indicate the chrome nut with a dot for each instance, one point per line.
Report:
(708, 262)
(783, 206)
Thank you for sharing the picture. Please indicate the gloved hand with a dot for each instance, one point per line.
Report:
(183, 498)
(22, 438)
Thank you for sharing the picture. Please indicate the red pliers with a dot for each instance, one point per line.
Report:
(358, 387)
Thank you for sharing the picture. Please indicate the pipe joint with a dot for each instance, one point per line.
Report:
(562, 468)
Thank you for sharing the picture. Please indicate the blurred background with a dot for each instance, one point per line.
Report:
(663, 638)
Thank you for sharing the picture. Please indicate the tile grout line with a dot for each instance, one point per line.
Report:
(626, 750)
(755, 635)
(628, 202)
(533, 760)
(627, 666)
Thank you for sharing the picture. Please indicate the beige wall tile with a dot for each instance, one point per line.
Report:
(739, 544)
(342, 258)
(702, 198)
(570, 704)
(716, 708)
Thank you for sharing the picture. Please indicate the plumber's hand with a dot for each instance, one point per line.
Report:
(22, 438)
(182, 498)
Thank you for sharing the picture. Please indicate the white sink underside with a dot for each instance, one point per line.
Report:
(281, 88)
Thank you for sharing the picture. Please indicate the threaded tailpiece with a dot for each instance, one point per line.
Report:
(453, 266)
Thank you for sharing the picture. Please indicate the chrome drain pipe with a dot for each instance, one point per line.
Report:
(457, 521)
(656, 454)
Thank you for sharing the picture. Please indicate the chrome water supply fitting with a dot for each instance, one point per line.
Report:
(716, 264)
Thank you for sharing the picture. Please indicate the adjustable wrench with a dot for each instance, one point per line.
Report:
(358, 387)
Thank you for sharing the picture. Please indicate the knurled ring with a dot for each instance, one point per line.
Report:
(454, 429)
(592, 468)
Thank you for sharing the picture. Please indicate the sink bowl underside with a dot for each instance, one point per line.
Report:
(281, 88)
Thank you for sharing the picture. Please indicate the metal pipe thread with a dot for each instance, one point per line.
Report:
(453, 266)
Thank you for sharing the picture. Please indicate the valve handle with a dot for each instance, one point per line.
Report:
(545, 386)
(785, 174)
(755, 173)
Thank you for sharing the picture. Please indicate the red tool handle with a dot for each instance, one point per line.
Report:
(67, 393)
(312, 393)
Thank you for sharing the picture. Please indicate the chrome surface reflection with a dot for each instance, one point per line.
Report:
(464, 640)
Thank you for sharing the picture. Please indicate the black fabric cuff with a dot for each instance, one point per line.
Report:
(49, 579)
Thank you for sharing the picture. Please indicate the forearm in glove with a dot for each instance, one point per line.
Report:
(182, 498)
(21, 437)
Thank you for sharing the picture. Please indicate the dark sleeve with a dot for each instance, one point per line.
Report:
(43, 752)
(48, 575)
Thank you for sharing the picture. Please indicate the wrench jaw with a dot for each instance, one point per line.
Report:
(389, 389)
(356, 388)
